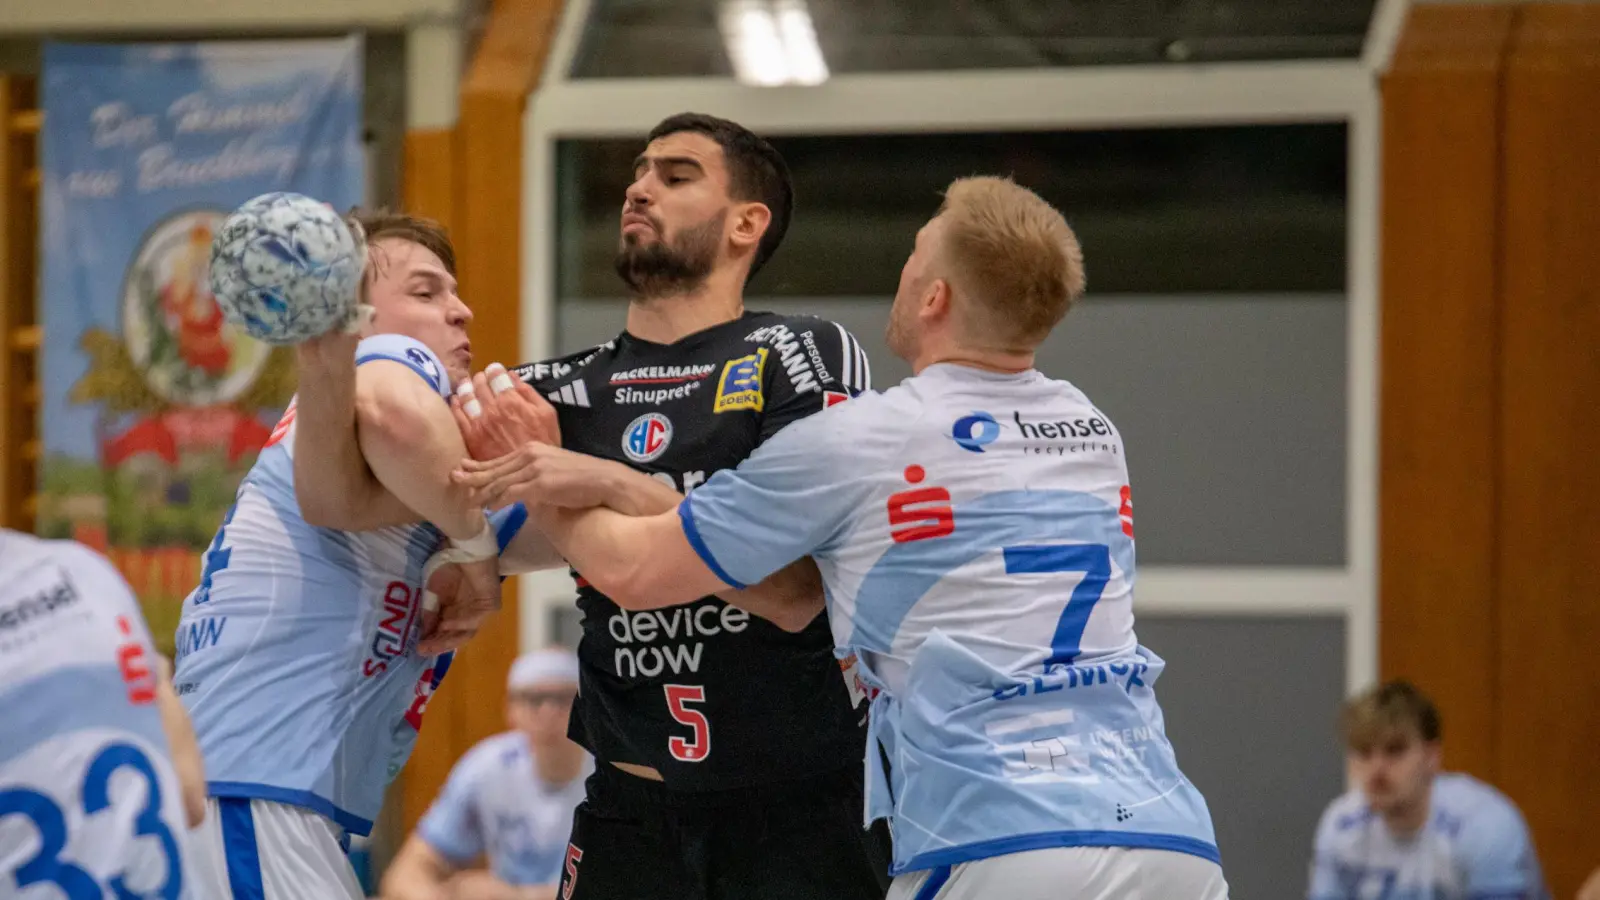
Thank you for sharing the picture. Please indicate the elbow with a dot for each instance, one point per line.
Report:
(622, 583)
(316, 509)
(630, 584)
(795, 619)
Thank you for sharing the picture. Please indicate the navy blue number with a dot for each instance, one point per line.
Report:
(46, 866)
(97, 796)
(1093, 560)
(217, 558)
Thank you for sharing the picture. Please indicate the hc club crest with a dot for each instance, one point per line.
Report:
(647, 437)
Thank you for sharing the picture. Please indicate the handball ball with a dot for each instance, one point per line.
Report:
(286, 268)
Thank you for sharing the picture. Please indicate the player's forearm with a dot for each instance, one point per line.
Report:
(418, 872)
(333, 484)
(790, 598)
(633, 493)
(411, 443)
(185, 749)
(529, 551)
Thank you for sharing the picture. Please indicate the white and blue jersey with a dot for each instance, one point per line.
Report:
(297, 651)
(1474, 846)
(975, 536)
(495, 805)
(90, 804)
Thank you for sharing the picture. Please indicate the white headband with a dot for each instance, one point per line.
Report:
(543, 667)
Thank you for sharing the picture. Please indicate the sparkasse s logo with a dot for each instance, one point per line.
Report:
(975, 431)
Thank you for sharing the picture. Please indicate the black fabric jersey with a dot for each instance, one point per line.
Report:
(710, 696)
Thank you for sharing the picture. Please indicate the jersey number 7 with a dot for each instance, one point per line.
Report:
(1093, 560)
(698, 747)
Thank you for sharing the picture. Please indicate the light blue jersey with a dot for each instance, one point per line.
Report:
(297, 652)
(975, 535)
(90, 804)
(495, 804)
(1474, 846)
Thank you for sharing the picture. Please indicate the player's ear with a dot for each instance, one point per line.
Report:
(936, 299)
(749, 224)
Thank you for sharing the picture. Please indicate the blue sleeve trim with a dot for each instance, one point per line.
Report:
(692, 532)
(240, 853)
(371, 357)
(319, 805)
(511, 525)
(952, 856)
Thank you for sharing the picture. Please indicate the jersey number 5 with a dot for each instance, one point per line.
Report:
(698, 747)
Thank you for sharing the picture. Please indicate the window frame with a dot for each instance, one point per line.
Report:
(1131, 97)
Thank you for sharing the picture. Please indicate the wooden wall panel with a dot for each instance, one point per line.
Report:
(20, 449)
(1548, 709)
(1438, 417)
(482, 163)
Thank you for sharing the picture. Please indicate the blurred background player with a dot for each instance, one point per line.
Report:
(1408, 829)
(981, 568)
(308, 693)
(510, 798)
(100, 778)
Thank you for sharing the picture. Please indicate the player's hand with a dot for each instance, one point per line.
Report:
(498, 412)
(538, 474)
(469, 593)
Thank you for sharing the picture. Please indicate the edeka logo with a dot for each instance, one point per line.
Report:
(974, 431)
(740, 384)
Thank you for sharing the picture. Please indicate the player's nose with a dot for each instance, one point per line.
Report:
(639, 194)
(459, 314)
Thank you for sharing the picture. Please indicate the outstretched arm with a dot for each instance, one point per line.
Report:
(610, 555)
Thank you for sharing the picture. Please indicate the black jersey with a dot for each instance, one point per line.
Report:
(705, 693)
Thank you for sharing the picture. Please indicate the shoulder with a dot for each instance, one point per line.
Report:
(1347, 816)
(550, 370)
(812, 349)
(409, 352)
(79, 561)
(493, 753)
(1474, 805)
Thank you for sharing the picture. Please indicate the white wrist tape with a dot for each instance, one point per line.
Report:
(483, 545)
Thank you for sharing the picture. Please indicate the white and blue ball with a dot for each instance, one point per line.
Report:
(287, 268)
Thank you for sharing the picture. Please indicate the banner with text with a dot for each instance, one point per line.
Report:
(154, 407)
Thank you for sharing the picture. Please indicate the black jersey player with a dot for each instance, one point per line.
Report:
(729, 751)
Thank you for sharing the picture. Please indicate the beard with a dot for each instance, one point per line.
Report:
(659, 269)
(898, 334)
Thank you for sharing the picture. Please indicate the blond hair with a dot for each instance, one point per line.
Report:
(1396, 708)
(1012, 259)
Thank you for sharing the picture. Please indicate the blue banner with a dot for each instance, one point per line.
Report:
(154, 407)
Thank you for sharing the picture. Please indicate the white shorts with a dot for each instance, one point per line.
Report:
(1081, 873)
(261, 850)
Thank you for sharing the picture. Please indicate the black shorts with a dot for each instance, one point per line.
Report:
(633, 839)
